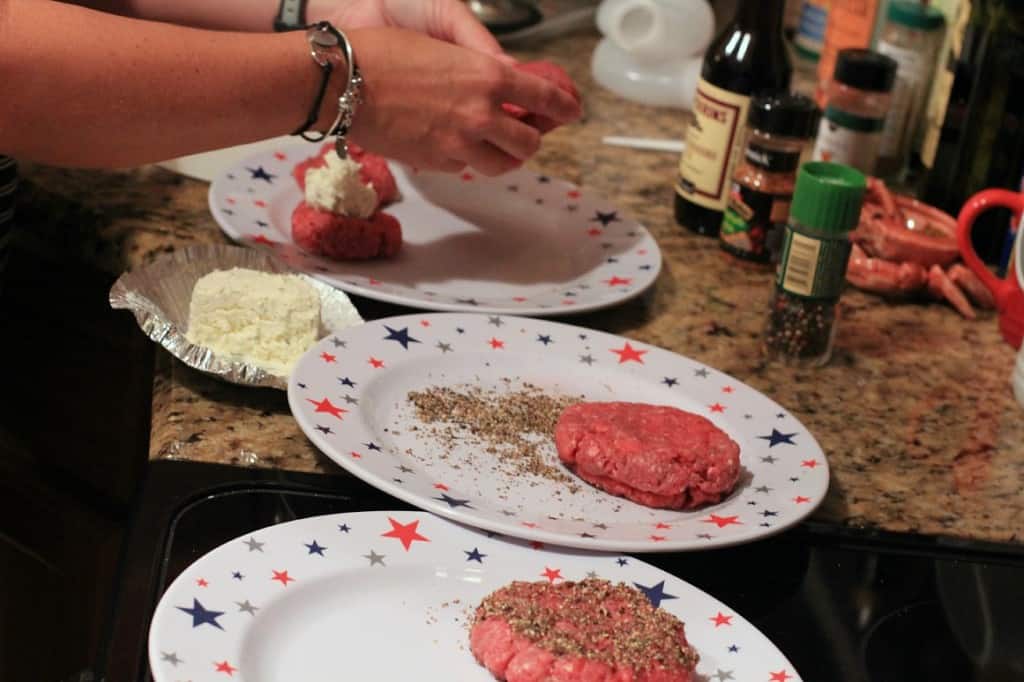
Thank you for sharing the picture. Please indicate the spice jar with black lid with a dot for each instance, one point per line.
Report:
(857, 100)
(780, 131)
(803, 316)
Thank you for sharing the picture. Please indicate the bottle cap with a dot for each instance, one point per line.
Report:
(916, 15)
(785, 115)
(865, 70)
(828, 196)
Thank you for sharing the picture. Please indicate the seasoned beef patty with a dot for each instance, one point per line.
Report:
(654, 455)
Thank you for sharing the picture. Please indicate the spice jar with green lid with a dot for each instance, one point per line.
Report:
(803, 316)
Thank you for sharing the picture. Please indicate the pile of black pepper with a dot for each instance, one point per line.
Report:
(513, 427)
(593, 619)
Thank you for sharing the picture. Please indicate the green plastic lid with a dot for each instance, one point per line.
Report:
(916, 15)
(828, 196)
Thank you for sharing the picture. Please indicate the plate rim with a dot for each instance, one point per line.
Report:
(439, 508)
(425, 303)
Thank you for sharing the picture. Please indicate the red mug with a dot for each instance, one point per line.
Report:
(1007, 292)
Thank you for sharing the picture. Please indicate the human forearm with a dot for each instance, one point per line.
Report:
(99, 90)
(224, 15)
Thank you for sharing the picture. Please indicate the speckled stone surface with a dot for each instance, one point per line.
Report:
(915, 411)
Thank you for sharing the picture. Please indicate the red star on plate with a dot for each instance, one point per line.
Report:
(780, 676)
(641, 252)
(573, 194)
(441, 486)
(283, 577)
(529, 524)
(727, 389)
(404, 532)
(495, 343)
(377, 364)
(355, 455)
(225, 667)
(619, 281)
(594, 232)
(717, 407)
(568, 301)
(519, 299)
(800, 499)
(627, 353)
(467, 176)
(325, 405)
(721, 619)
(202, 582)
(280, 156)
(536, 545)
(230, 201)
(373, 282)
(424, 323)
(723, 521)
(809, 463)
(263, 240)
(552, 574)
(260, 203)
(657, 538)
(662, 526)
(327, 357)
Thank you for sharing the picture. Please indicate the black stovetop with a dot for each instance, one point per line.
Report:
(843, 606)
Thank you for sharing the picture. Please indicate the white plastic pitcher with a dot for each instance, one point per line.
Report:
(1017, 263)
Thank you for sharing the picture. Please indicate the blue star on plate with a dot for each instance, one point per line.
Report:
(401, 336)
(645, 267)
(201, 615)
(343, 527)
(237, 575)
(467, 301)
(460, 330)
(453, 502)
(544, 338)
(622, 561)
(543, 179)
(733, 648)
(475, 555)
(612, 260)
(769, 513)
(302, 385)
(326, 430)
(314, 548)
(262, 223)
(670, 381)
(372, 446)
(259, 174)
(605, 218)
(345, 381)
(777, 437)
(656, 593)
(227, 211)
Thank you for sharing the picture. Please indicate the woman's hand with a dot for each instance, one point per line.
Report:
(447, 20)
(437, 106)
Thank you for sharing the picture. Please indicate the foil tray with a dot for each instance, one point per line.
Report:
(159, 296)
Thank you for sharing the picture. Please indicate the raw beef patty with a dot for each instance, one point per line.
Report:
(591, 631)
(343, 237)
(655, 455)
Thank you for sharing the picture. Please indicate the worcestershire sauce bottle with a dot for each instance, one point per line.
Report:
(747, 58)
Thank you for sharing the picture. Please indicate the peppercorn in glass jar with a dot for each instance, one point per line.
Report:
(857, 100)
(780, 130)
(803, 316)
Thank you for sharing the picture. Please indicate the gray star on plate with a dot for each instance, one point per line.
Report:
(253, 545)
(375, 558)
(587, 536)
(794, 478)
(571, 207)
(404, 469)
(602, 526)
(444, 347)
(171, 658)
(506, 512)
(702, 373)
(723, 675)
(588, 359)
(495, 320)
(762, 489)
(748, 416)
(768, 459)
(704, 536)
(338, 343)
(592, 574)
(349, 400)
(247, 607)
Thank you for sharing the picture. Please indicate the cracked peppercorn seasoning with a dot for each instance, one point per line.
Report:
(803, 315)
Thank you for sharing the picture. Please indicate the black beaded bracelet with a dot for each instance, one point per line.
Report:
(314, 112)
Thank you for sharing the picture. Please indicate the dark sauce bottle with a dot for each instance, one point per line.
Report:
(746, 59)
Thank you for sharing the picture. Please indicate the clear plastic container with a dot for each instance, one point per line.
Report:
(912, 37)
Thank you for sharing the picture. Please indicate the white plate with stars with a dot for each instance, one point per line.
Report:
(387, 596)
(349, 394)
(523, 243)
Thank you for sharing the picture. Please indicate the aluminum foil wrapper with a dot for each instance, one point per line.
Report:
(159, 296)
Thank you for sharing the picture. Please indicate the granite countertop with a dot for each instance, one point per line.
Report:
(914, 412)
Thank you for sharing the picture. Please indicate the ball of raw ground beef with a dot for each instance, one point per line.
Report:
(373, 170)
(654, 455)
(343, 237)
(551, 72)
(587, 631)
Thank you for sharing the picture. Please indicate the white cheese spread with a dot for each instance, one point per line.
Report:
(338, 188)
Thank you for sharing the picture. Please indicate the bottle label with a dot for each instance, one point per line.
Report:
(813, 268)
(713, 146)
(771, 160)
(810, 34)
(751, 219)
(901, 121)
(851, 23)
(849, 139)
